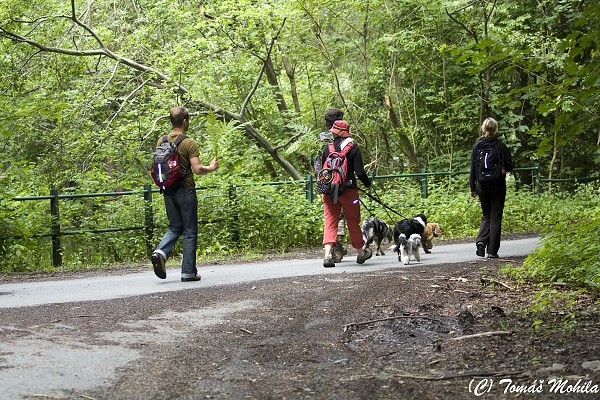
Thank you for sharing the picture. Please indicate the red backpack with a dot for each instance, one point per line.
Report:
(166, 169)
(332, 177)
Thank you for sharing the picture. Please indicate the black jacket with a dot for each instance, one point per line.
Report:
(507, 163)
(356, 167)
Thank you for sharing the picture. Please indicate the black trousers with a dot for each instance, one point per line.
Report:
(490, 228)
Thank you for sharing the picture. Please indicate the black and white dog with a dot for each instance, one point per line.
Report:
(375, 230)
(408, 248)
(408, 227)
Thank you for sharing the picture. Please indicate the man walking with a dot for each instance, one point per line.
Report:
(181, 203)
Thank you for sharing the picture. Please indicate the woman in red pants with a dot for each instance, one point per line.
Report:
(347, 201)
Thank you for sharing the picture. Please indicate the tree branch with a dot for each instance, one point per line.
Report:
(289, 141)
(262, 71)
(84, 26)
(250, 131)
(325, 52)
(129, 96)
(470, 31)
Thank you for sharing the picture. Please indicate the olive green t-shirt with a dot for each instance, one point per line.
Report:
(188, 148)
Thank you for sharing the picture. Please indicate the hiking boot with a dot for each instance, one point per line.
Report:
(339, 251)
(337, 255)
(363, 255)
(328, 262)
(480, 249)
(158, 262)
(191, 278)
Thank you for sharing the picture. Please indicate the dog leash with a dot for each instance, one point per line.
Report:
(463, 214)
(385, 209)
(371, 213)
(381, 203)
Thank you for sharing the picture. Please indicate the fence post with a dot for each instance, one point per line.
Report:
(371, 176)
(538, 178)
(424, 183)
(148, 218)
(309, 188)
(54, 215)
(234, 214)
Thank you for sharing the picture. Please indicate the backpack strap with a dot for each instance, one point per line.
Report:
(346, 146)
(165, 138)
(346, 142)
(176, 142)
(179, 139)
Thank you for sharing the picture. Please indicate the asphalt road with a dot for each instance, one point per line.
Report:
(30, 294)
(44, 354)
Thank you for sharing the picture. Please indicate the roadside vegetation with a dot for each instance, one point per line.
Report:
(85, 89)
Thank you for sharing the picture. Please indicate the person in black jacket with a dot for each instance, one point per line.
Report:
(491, 194)
(348, 201)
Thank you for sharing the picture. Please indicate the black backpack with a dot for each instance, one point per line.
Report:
(488, 165)
(166, 169)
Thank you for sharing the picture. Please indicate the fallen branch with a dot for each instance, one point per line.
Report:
(87, 397)
(482, 334)
(469, 375)
(247, 331)
(488, 281)
(347, 326)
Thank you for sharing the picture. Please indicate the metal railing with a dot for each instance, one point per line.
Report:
(56, 231)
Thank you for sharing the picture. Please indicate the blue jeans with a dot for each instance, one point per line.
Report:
(182, 212)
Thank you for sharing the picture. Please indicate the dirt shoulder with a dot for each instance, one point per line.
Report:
(385, 335)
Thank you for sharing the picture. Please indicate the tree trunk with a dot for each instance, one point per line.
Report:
(407, 147)
(272, 79)
(290, 71)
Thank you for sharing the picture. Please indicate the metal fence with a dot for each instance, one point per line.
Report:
(56, 230)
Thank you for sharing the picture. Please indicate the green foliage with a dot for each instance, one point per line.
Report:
(548, 301)
(71, 111)
(89, 123)
(569, 252)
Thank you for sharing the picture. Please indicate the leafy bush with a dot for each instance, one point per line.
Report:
(568, 254)
(257, 217)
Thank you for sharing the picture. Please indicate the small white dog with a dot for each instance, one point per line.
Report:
(408, 248)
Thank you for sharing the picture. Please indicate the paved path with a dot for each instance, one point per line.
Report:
(29, 294)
